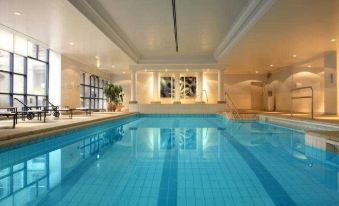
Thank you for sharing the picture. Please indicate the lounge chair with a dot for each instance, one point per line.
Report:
(57, 109)
(30, 112)
(10, 111)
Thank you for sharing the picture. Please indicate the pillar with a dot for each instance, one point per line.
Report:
(177, 88)
(199, 87)
(156, 95)
(133, 99)
(330, 83)
(221, 92)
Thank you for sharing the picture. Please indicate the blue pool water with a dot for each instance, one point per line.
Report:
(172, 160)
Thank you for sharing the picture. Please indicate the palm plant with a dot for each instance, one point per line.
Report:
(114, 95)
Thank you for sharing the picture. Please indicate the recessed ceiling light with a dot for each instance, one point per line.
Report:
(186, 70)
(256, 72)
(309, 66)
(272, 65)
(17, 13)
(166, 70)
(71, 43)
(113, 66)
(333, 40)
(294, 56)
(123, 72)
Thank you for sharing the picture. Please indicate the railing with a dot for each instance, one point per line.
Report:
(203, 93)
(302, 97)
(231, 107)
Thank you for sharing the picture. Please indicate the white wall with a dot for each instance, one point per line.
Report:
(70, 78)
(282, 81)
(238, 87)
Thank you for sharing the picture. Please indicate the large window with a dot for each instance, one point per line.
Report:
(91, 91)
(23, 71)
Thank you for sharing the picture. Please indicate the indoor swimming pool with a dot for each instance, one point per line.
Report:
(172, 160)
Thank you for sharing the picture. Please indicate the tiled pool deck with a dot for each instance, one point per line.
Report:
(30, 129)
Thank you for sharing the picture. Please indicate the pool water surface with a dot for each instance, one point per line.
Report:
(171, 160)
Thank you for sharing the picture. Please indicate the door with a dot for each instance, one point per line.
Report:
(257, 95)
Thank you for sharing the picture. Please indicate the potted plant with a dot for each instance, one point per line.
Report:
(114, 95)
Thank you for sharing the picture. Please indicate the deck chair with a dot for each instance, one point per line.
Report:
(30, 112)
(10, 111)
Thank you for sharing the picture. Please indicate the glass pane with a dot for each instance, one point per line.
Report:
(4, 172)
(41, 101)
(4, 82)
(42, 53)
(4, 187)
(86, 103)
(42, 186)
(81, 88)
(31, 101)
(6, 40)
(18, 167)
(4, 100)
(19, 62)
(20, 45)
(32, 50)
(36, 168)
(18, 84)
(81, 102)
(17, 103)
(87, 93)
(4, 61)
(18, 180)
(36, 77)
(87, 78)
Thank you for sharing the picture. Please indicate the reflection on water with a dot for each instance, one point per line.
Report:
(47, 172)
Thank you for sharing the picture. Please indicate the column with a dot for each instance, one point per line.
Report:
(177, 89)
(199, 88)
(156, 98)
(221, 93)
(330, 83)
(133, 99)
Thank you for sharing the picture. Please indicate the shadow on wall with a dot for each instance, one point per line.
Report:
(283, 81)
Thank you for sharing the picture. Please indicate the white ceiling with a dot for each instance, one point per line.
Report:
(301, 27)
(148, 25)
(56, 23)
(244, 35)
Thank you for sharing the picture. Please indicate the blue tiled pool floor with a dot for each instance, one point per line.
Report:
(176, 161)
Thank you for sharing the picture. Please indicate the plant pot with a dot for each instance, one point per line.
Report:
(114, 107)
(109, 107)
(119, 107)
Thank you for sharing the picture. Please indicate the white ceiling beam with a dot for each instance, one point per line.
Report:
(251, 14)
(102, 20)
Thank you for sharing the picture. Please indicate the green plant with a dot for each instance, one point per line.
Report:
(114, 94)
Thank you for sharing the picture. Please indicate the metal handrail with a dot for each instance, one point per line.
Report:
(232, 107)
(302, 97)
(202, 94)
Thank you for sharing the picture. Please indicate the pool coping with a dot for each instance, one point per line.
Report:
(26, 136)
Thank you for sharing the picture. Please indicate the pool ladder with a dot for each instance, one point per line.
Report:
(232, 108)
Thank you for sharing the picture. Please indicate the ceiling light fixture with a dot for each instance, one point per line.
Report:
(333, 40)
(174, 11)
(71, 43)
(272, 65)
(17, 13)
(113, 66)
(309, 66)
(256, 72)
(123, 72)
(294, 56)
